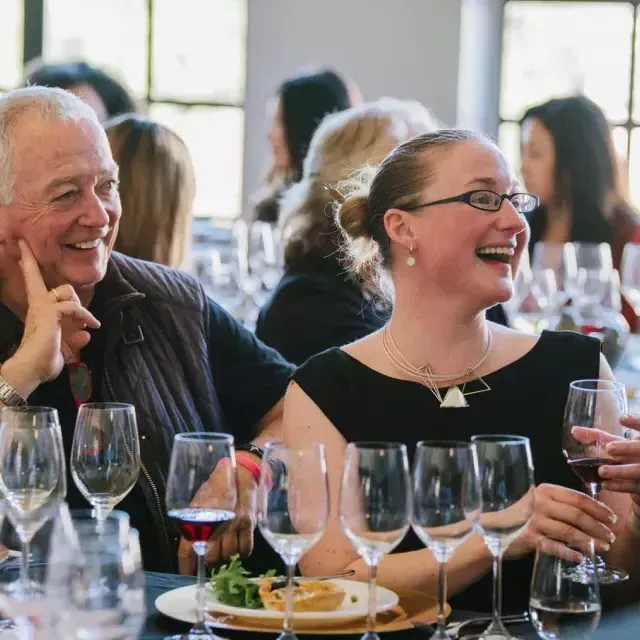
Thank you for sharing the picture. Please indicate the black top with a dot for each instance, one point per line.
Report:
(527, 398)
(316, 306)
(249, 379)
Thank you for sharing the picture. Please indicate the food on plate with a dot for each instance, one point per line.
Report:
(310, 595)
(233, 585)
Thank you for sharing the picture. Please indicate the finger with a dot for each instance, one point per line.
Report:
(33, 281)
(560, 550)
(626, 450)
(586, 435)
(566, 533)
(245, 542)
(620, 472)
(550, 492)
(214, 552)
(75, 343)
(186, 558)
(78, 313)
(622, 486)
(66, 293)
(631, 421)
(575, 518)
(229, 544)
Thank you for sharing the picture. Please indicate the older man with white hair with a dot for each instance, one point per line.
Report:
(78, 323)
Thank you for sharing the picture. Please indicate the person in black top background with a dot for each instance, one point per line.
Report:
(300, 104)
(443, 219)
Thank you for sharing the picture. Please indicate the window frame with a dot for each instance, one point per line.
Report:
(33, 47)
(629, 124)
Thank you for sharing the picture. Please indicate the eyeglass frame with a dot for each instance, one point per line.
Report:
(466, 198)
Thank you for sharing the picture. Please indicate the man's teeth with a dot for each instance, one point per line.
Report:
(488, 251)
(92, 244)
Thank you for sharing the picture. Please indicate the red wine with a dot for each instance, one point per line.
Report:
(199, 525)
(587, 468)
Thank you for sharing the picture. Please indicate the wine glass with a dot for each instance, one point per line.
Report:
(32, 479)
(598, 405)
(594, 256)
(293, 508)
(630, 287)
(508, 490)
(375, 507)
(561, 259)
(105, 455)
(446, 505)
(561, 606)
(94, 579)
(202, 495)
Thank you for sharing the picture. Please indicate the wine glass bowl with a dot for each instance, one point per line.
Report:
(105, 454)
(201, 502)
(375, 506)
(292, 508)
(592, 420)
(32, 478)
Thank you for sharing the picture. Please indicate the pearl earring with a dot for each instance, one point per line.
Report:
(411, 261)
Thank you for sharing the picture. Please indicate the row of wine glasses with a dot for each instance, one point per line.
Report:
(105, 462)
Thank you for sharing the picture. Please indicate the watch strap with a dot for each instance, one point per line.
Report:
(9, 396)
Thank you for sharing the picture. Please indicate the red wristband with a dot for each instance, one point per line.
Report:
(246, 461)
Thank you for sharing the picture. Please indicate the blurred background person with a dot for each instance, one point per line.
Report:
(569, 162)
(101, 91)
(157, 190)
(296, 110)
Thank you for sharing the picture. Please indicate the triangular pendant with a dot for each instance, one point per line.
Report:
(454, 399)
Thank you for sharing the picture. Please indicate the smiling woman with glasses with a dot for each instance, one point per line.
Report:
(439, 369)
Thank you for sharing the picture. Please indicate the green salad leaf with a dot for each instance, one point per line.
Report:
(233, 586)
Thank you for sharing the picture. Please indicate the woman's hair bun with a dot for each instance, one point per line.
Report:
(352, 215)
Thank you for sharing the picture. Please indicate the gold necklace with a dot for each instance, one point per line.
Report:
(455, 397)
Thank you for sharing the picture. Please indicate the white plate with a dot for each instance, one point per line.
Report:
(180, 604)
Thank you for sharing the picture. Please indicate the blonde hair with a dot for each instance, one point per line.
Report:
(157, 189)
(343, 142)
(46, 102)
(398, 182)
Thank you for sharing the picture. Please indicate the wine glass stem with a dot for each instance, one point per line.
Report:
(24, 562)
(371, 611)
(442, 595)
(200, 549)
(288, 609)
(497, 588)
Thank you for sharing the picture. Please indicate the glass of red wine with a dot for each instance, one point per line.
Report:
(201, 502)
(592, 420)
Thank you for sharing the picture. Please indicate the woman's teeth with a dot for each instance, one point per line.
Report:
(496, 253)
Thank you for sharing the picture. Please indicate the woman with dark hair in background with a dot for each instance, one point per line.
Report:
(98, 89)
(569, 162)
(299, 106)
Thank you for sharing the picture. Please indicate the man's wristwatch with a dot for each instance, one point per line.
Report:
(9, 396)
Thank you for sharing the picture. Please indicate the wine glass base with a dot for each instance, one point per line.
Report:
(495, 631)
(25, 590)
(611, 575)
(584, 573)
(195, 635)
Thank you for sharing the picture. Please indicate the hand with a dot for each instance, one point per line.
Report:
(54, 329)
(562, 517)
(238, 536)
(625, 476)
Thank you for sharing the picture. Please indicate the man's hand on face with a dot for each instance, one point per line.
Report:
(55, 330)
(238, 537)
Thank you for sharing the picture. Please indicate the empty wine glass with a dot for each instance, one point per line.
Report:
(597, 405)
(105, 455)
(202, 495)
(32, 479)
(561, 606)
(375, 507)
(293, 508)
(94, 580)
(446, 505)
(593, 255)
(561, 259)
(508, 490)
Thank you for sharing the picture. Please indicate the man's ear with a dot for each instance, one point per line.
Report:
(398, 225)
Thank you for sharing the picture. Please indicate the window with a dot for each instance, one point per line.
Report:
(555, 48)
(184, 59)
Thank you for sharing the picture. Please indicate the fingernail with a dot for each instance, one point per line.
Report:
(613, 518)
(612, 537)
(605, 547)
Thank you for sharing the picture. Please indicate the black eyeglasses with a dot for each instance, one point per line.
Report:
(488, 201)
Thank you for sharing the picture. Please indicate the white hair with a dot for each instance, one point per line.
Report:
(46, 102)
